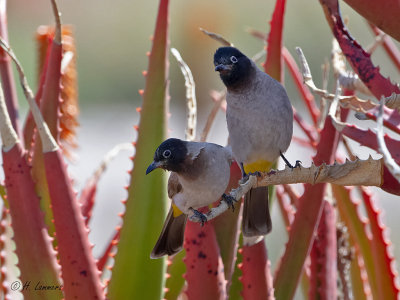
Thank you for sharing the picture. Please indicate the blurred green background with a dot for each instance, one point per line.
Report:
(112, 38)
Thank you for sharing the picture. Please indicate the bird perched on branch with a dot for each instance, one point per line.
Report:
(260, 124)
(200, 175)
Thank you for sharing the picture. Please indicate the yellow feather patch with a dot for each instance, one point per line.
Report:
(177, 211)
(260, 166)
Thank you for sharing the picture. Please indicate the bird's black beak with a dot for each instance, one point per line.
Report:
(154, 165)
(223, 68)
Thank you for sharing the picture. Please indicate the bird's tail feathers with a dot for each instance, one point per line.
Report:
(256, 216)
(171, 238)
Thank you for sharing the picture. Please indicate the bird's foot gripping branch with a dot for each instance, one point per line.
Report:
(350, 173)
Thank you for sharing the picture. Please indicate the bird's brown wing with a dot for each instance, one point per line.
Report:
(171, 236)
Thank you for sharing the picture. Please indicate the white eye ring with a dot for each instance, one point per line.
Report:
(234, 59)
(166, 153)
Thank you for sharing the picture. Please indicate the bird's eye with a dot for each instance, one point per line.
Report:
(166, 153)
(234, 59)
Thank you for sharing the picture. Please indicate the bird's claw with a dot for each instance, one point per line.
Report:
(199, 216)
(297, 164)
(256, 173)
(229, 201)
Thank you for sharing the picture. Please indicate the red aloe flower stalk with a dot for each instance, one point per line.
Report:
(7, 77)
(204, 268)
(324, 256)
(359, 60)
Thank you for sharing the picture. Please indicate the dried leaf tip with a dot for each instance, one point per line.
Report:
(48, 142)
(8, 134)
(57, 16)
(191, 101)
(217, 37)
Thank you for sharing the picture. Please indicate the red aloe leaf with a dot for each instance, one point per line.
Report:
(359, 277)
(274, 63)
(68, 79)
(390, 183)
(382, 258)
(359, 60)
(50, 107)
(101, 263)
(87, 199)
(304, 91)
(4, 289)
(306, 219)
(368, 138)
(323, 257)
(391, 118)
(301, 236)
(382, 14)
(227, 228)
(389, 46)
(307, 129)
(256, 272)
(288, 213)
(50, 102)
(29, 126)
(143, 220)
(36, 258)
(203, 261)
(286, 208)
(79, 272)
(6, 72)
(349, 210)
(175, 281)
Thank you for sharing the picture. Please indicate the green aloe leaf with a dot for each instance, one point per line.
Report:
(135, 275)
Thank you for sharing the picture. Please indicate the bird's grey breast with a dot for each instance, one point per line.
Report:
(206, 179)
(260, 120)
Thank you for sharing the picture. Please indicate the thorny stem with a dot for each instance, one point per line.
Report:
(358, 172)
(48, 142)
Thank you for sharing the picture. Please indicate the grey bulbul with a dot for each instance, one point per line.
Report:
(200, 176)
(259, 116)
